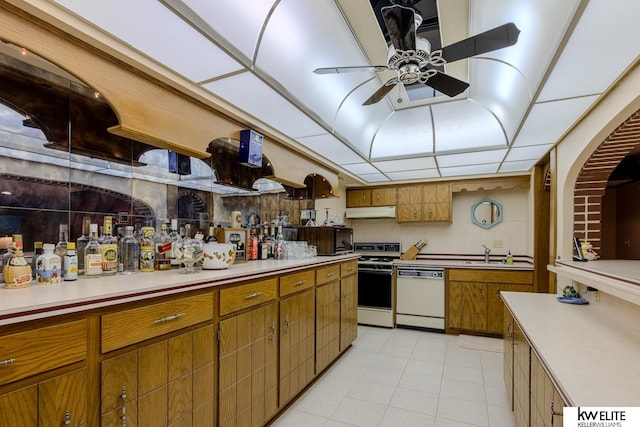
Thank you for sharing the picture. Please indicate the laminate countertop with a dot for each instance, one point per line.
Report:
(40, 301)
(591, 353)
(446, 263)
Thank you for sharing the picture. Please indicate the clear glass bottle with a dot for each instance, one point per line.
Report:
(129, 252)
(48, 266)
(70, 263)
(63, 238)
(280, 243)
(81, 244)
(175, 238)
(37, 251)
(147, 249)
(93, 254)
(163, 249)
(108, 248)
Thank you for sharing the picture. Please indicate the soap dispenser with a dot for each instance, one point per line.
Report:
(509, 258)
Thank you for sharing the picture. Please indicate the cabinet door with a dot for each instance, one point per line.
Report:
(19, 408)
(348, 311)
(521, 377)
(409, 205)
(327, 324)
(62, 400)
(358, 198)
(119, 390)
(247, 355)
(383, 196)
(296, 344)
(508, 355)
(436, 199)
(496, 308)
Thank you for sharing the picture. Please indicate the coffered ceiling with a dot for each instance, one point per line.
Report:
(256, 57)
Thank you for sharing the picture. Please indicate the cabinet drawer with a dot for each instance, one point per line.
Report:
(491, 276)
(348, 268)
(138, 324)
(296, 282)
(327, 274)
(39, 350)
(245, 296)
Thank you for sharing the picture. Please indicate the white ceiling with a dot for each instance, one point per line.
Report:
(259, 56)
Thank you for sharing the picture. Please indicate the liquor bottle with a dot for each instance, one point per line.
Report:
(129, 252)
(63, 238)
(253, 245)
(37, 251)
(211, 238)
(81, 244)
(93, 254)
(175, 238)
(48, 266)
(163, 249)
(108, 248)
(16, 272)
(70, 263)
(147, 249)
(280, 243)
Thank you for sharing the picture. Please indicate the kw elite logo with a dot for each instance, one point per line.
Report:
(601, 417)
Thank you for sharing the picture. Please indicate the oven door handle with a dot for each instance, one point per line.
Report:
(375, 270)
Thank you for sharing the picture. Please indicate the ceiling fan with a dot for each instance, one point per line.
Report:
(412, 59)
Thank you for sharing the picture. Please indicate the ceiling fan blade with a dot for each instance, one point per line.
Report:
(382, 92)
(401, 26)
(497, 38)
(448, 85)
(337, 70)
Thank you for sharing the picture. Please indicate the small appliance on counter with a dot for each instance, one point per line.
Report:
(238, 236)
(330, 240)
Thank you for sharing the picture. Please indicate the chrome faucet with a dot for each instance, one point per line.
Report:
(487, 252)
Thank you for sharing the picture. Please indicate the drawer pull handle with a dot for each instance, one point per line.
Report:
(169, 318)
(273, 332)
(300, 282)
(253, 295)
(350, 269)
(329, 274)
(554, 413)
(286, 326)
(67, 418)
(123, 417)
(7, 362)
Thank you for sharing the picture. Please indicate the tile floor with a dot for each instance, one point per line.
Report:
(402, 377)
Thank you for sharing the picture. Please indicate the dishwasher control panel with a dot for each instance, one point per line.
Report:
(421, 272)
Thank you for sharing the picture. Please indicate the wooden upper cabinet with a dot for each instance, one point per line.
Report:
(365, 197)
(409, 207)
(358, 198)
(385, 196)
(436, 199)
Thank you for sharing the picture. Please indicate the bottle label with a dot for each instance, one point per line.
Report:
(147, 255)
(93, 265)
(70, 267)
(48, 269)
(163, 248)
(109, 258)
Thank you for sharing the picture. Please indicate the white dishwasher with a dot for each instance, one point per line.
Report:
(420, 297)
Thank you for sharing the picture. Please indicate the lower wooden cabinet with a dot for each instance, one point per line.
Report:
(248, 370)
(546, 401)
(58, 401)
(167, 383)
(297, 344)
(327, 324)
(473, 298)
(348, 308)
(521, 377)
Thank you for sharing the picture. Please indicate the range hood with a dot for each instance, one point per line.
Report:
(372, 212)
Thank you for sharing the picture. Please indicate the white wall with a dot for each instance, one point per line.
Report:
(460, 236)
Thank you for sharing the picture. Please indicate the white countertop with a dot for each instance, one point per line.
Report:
(448, 263)
(39, 301)
(592, 354)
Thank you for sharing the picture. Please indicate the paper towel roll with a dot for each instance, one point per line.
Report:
(236, 219)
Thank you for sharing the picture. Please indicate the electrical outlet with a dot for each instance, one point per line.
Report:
(497, 243)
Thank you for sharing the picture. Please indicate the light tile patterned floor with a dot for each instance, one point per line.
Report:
(406, 378)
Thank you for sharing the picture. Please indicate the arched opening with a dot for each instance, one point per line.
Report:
(601, 212)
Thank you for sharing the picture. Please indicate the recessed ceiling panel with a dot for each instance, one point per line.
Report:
(404, 133)
(331, 148)
(471, 158)
(601, 47)
(406, 164)
(238, 21)
(548, 121)
(358, 124)
(374, 177)
(256, 98)
(154, 30)
(465, 125)
(531, 152)
(470, 170)
(502, 89)
(360, 168)
(302, 36)
(520, 166)
(414, 174)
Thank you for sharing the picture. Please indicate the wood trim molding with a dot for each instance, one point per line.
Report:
(488, 184)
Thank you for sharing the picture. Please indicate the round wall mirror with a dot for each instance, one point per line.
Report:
(486, 213)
